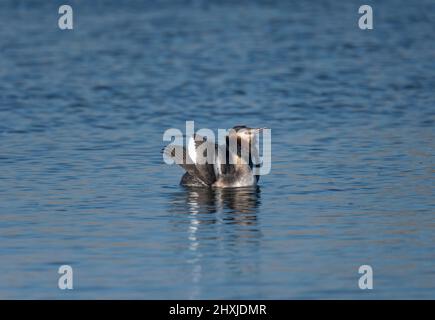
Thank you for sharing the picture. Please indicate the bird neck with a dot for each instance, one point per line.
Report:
(242, 153)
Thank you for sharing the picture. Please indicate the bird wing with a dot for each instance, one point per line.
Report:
(194, 160)
(203, 154)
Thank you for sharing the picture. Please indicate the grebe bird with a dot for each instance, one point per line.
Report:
(231, 165)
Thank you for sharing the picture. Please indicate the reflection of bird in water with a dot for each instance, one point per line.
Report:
(216, 222)
(228, 165)
(240, 203)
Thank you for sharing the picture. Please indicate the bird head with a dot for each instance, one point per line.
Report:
(245, 133)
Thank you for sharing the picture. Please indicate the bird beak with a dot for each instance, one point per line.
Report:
(257, 130)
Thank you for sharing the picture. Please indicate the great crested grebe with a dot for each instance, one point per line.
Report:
(230, 165)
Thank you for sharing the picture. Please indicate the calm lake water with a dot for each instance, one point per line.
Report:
(82, 181)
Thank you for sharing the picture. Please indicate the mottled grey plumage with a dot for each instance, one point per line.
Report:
(216, 169)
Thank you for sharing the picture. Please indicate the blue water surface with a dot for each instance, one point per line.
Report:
(82, 181)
